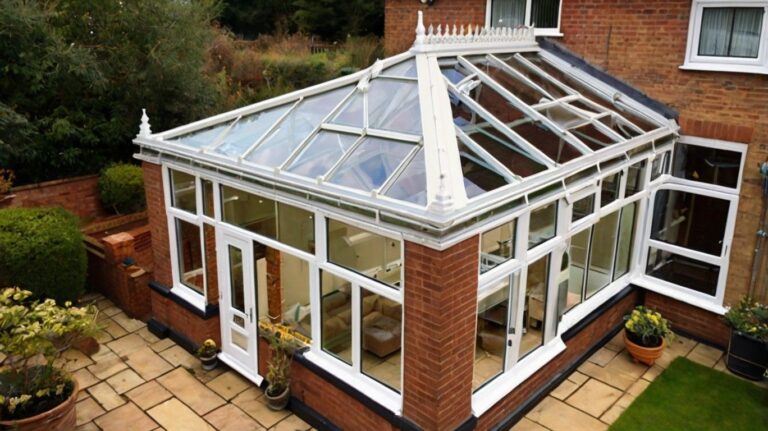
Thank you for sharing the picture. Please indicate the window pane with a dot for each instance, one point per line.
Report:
(578, 254)
(321, 154)
(548, 142)
(479, 177)
(371, 163)
(190, 255)
(365, 252)
(635, 178)
(202, 138)
(336, 316)
(535, 306)
(730, 32)
(683, 271)
(601, 256)
(394, 105)
(593, 137)
(583, 207)
(491, 340)
(508, 13)
(248, 211)
(381, 328)
(405, 69)
(498, 246)
(351, 114)
(293, 279)
(693, 221)
(411, 185)
(707, 165)
(249, 130)
(544, 13)
(626, 239)
(296, 227)
(237, 292)
(520, 88)
(208, 198)
(183, 194)
(542, 225)
(610, 189)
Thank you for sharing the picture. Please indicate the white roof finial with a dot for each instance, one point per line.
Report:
(420, 30)
(145, 128)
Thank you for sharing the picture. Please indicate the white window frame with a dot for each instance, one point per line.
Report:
(552, 32)
(694, 61)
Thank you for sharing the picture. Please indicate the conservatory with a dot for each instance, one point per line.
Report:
(562, 185)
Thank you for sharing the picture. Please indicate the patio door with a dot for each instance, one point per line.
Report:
(238, 306)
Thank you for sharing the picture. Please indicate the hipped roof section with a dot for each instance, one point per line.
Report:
(465, 122)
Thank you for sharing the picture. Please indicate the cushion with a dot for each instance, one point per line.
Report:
(333, 326)
(345, 315)
(369, 304)
(391, 309)
(334, 300)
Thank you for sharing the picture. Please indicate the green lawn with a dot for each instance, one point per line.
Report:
(688, 396)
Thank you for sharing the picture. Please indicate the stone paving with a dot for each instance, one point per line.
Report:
(139, 382)
(596, 394)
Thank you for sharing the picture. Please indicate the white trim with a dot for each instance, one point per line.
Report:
(682, 295)
(255, 378)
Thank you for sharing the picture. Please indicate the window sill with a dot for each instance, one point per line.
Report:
(553, 32)
(679, 294)
(721, 67)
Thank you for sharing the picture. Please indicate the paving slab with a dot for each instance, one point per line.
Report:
(252, 402)
(72, 360)
(229, 384)
(231, 418)
(126, 417)
(705, 355)
(603, 356)
(148, 395)
(85, 378)
(124, 381)
(90, 426)
(163, 344)
(178, 357)
(559, 416)
(526, 424)
(147, 363)
(578, 378)
(181, 384)
(173, 415)
(594, 397)
(291, 423)
(87, 410)
(129, 324)
(612, 414)
(106, 364)
(113, 329)
(148, 336)
(652, 373)
(106, 396)
(123, 346)
(111, 310)
(564, 390)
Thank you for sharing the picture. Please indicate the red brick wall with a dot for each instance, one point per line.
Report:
(440, 313)
(689, 319)
(210, 263)
(153, 188)
(183, 321)
(79, 195)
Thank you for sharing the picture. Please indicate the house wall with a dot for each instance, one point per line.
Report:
(78, 195)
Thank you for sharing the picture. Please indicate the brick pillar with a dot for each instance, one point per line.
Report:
(440, 314)
(153, 188)
(211, 272)
(274, 286)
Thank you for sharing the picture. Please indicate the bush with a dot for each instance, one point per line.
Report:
(42, 250)
(121, 187)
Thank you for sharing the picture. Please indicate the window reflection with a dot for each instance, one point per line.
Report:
(381, 329)
(190, 255)
(497, 246)
(367, 253)
(542, 225)
(683, 271)
(534, 314)
(491, 341)
(336, 316)
(693, 221)
(183, 195)
(707, 165)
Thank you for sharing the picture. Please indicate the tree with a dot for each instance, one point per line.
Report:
(248, 18)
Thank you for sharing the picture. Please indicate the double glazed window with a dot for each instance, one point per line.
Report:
(542, 14)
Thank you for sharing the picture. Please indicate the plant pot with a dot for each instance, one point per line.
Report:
(644, 355)
(747, 356)
(60, 418)
(278, 402)
(209, 362)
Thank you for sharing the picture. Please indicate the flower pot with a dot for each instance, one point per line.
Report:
(644, 355)
(209, 362)
(747, 356)
(60, 418)
(280, 401)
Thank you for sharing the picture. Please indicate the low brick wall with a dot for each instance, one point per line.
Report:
(79, 195)
(693, 321)
(183, 321)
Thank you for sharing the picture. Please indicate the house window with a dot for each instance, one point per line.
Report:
(190, 255)
(544, 15)
(728, 36)
(497, 246)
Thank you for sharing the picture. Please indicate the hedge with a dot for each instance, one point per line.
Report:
(42, 250)
(121, 187)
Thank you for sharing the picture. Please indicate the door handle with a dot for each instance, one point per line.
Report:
(250, 314)
(509, 343)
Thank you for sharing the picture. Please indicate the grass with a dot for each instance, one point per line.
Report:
(689, 396)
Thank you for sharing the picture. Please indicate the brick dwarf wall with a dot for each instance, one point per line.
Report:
(690, 320)
(183, 321)
(78, 195)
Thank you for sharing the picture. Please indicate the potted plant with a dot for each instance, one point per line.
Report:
(35, 395)
(645, 334)
(282, 347)
(748, 347)
(207, 353)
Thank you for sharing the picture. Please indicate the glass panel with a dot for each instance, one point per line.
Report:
(248, 211)
(626, 237)
(371, 163)
(583, 207)
(693, 221)
(657, 167)
(683, 271)
(352, 113)
(542, 225)
(497, 246)
(296, 227)
(322, 152)
(554, 90)
(707, 165)
(508, 13)
(527, 93)
(236, 279)
(491, 340)
(478, 176)
(535, 306)
(183, 194)
(609, 190)
(731, 32)
(381, 329)
(201, 138)
(394, 105)
(508, 153)
(336, 316)
(544, 13)
(296, 127)
(405, 69)
(249, 130)
(207, 198)
(564, 117)
(367, 253)
(594, 138)
(601, 255)
(635, 182)
(549, 143)
(619, 126)
(293, 282)
(411, 185)
(190, 256)
(239, 339)
(578, 253)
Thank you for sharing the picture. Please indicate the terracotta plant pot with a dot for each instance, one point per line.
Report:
(644, 355)
(60, 418)
(278, 402)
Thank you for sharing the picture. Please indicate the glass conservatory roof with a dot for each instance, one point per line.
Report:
(464, 117)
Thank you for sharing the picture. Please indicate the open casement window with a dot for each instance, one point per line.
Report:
(543, 15)
(728, 36)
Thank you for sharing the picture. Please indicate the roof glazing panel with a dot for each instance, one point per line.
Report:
(248, 130)
(322, 152)
(371, 163)
(409, 185)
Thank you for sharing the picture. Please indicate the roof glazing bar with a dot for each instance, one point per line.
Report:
(536, 69)
(398, 171)
(220, 139)
(269, 131)
(343, 158)
(509, 70)
(494, 164)
(377, 133)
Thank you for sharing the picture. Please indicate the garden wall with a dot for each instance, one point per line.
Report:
(79, 195)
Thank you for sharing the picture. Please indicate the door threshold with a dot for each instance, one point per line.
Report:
(250, 375)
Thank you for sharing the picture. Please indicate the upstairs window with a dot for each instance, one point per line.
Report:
(544, 15)
(728, 36)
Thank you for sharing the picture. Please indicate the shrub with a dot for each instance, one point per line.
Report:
(121, 187)
(749, 317)
(42, 250)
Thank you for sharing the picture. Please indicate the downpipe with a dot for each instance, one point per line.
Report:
(762, 236)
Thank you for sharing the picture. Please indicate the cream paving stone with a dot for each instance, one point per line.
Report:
(705, 355)
(129, 324)
(680, 346)
(147, 363)
(617, 343)
(163, 344)
(612, 414)
(564, 390)
(127, 417)
(178, 357)
(616, 379)
(85, 378)
(602, 357)
(190, 391)
(251, 401)
(625, 401)
(104, 303)
(559, 416)
(577, 377)
(228, 385)
(103, 337)
(594, 397)
(526, 424)
(124, 381)
(173, 415)
(204, 376)
(72, 360)
(87, 410)
(231, 418)
(111, 311)
(148, 395)
(81, 395)
(106, 396)
(123, 346)
(148, 336)
(623, 363)
(90, 426)
(106, 364)
(652, 373)
(113, 329)
(291, 423)
(638, 387)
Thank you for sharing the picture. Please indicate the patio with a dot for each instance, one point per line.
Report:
(138, 379)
